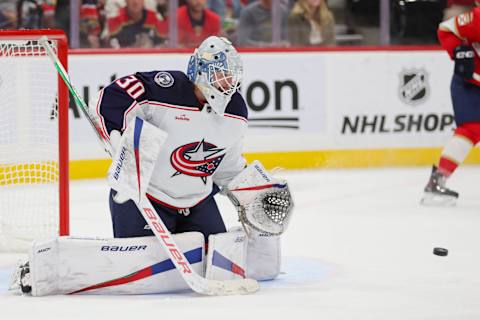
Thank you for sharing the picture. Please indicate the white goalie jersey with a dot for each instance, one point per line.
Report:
(202, 149)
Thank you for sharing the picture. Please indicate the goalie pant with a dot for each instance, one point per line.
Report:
(69, 265)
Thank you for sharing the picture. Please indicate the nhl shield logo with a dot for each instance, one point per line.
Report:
(414, 88)
(164, 79)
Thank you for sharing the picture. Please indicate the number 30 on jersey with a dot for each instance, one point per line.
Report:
(132, 86)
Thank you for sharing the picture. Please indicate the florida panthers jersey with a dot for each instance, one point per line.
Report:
(203, 149)
(463, 29)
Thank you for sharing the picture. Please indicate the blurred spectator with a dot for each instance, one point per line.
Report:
(91, 23)
(161, 7)
(113, 7)
(456, 7)
(227, 9)
(92, 20)
(229, 12)
(255, 23)
(195, 23)
(8, 15)
(311, 23)
(36, 14)
(135, 26)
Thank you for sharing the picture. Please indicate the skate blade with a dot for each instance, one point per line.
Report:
(435, 200)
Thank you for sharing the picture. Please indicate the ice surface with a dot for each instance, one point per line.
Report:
(359, 246)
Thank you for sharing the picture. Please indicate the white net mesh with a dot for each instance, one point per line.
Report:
(29, 148)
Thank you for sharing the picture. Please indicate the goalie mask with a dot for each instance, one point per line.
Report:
(215, 67)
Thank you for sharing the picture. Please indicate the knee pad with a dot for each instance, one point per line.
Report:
(226, 257)
(233, 255)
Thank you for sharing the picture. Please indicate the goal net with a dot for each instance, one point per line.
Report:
(33, 140)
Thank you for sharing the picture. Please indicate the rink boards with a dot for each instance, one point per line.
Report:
(332, 108)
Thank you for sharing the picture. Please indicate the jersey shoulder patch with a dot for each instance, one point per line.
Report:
(164, 79)
(168, 86)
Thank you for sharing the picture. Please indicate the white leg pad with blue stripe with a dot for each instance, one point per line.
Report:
(233, 255)
(140, 265)
(226, 255)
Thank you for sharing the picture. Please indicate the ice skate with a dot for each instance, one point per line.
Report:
(435, 192)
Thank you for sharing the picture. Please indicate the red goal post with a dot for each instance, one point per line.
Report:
(34, 155)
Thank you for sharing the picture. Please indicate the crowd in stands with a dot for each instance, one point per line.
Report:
(145, 23)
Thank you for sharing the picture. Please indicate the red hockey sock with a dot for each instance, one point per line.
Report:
(447, 166)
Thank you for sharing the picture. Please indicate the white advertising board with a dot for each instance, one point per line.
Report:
(389, 99)
(307, 100)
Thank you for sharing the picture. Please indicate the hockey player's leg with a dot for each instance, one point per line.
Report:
(127, 221)
(130, 174)
(435, 192)
(204, 217)
(264, 204)
(263, 256)
(465, 100)
(227, 255)
(139, 265)
(453, 154)
(234, 255)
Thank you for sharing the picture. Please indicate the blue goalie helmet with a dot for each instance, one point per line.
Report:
(216, 68)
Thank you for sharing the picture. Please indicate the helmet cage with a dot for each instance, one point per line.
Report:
(218, 74)
(222, 78)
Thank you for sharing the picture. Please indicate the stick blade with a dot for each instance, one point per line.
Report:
(232, 287)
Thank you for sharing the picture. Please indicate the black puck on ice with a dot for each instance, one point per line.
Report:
(440, 251)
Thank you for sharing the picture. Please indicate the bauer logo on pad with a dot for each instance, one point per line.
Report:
(118, 167)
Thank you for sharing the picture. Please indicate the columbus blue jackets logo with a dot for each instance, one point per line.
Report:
(413, 87)
(197, 159)
(164, 79)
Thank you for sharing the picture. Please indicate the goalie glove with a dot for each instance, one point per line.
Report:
(135, 159)
(263, 202)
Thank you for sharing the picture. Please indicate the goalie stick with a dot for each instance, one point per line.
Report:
(78, 100)
(196, 282)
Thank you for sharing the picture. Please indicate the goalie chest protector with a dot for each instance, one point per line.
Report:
(202, 149)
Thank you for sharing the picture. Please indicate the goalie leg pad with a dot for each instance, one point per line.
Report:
(233, 255)
(263, 256)
(68, 265)
(226, 256)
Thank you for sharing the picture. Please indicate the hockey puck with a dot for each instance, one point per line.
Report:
(440, 251)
